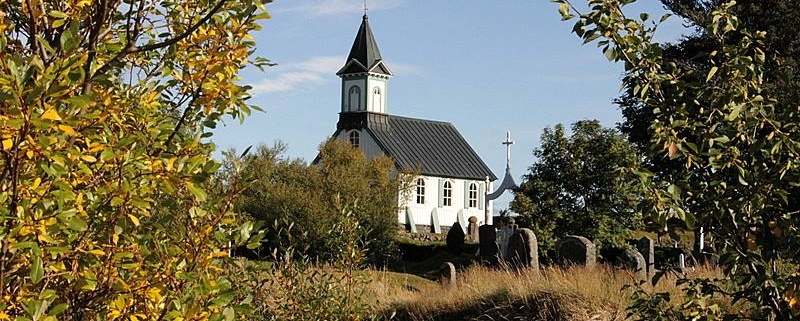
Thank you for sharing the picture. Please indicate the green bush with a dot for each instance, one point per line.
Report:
(299, 203)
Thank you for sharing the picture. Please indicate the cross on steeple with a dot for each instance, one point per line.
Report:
(365, 8)
(508, 144)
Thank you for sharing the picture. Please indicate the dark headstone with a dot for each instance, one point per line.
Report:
(523, 250)
(472, 230)
(447, 274)
(455, 239)
(646, 246)
(631, 259)
(576, 250)
(488, 244)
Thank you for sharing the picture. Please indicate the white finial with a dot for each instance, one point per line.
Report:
(508, 144)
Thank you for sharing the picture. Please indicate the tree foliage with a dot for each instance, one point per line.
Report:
(103, 105)
(734, 141)
(780, 79)
(577, 186)
(301, 204)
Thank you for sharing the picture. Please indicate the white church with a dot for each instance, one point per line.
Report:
(453, 181)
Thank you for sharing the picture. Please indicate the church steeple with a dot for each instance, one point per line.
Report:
(364, 54)
(364, 75)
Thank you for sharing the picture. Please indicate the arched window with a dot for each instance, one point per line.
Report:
(447, 194)
(354, 99)
(376, 99)
(473, 195)
(420, 191)
(354, 139)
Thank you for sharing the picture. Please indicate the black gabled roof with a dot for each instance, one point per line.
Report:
(435, 148)
(365, 51)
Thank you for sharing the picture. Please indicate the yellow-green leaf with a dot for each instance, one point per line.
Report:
(51, 114)
(134, 219)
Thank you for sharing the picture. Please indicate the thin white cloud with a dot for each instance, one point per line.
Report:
(313, 71)
(322, 8)
(322, 64)
(291, 76)
(287, 81)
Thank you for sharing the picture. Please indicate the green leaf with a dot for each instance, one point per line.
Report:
(742, 181)
(711, 73)
(68, 41)
(56, 310)
(77, 224)
(228, 313)
(198, 192)
(58, 14)
(37, 270)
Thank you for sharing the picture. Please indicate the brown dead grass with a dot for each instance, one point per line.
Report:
(483, 293)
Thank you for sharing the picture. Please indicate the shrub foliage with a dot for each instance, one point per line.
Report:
(103, 213)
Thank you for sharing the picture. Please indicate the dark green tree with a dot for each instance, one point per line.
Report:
(577, 186)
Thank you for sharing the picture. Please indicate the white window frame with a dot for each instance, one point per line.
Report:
(447, 194)
(420, 191)
(473, 195)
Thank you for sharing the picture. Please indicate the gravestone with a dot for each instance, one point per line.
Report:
(472, 230)
(576, 250)
(455, 239)
(504, 235)
(646, 246)
(523, 250)
(462, 221)
(447, 274)
(633, 260)
(489, 248)
(435, 227)
(410, 224)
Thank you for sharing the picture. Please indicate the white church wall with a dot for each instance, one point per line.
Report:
(447, 214)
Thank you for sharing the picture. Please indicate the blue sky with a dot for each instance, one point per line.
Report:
(485, 66)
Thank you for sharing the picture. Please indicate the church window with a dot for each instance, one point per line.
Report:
(473, 195)
(376, 99)
(447, 194)
(354, 139)
(354, 99)
(420, 191)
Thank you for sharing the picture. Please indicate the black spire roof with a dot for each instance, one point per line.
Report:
(365, 52)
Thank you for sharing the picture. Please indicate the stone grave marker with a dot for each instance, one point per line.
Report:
(455, 239)
(576, 250)
(472, 230)
(646, 247)
(523, 249)
(633, 260)
(489, 248)
(410, 224)
(504, 235)
(435, 227)
(447, 274)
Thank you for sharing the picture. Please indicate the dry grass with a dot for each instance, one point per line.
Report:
(490, 294)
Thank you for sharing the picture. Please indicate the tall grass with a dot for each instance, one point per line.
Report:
(483, 293)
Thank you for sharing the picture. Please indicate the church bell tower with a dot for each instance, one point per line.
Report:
(365, 76)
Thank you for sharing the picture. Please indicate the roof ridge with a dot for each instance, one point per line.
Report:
(422, 120)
